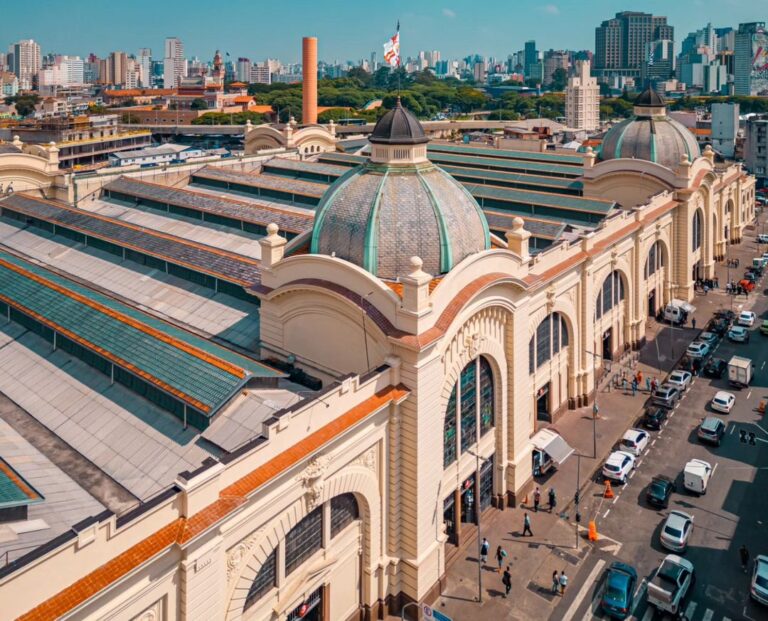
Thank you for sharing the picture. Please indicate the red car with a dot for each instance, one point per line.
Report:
(747, 285)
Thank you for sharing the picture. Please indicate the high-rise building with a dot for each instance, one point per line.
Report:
(725, 127)
(26, 61)
(621, 42)
(259, 74)
(64, 71)
(145, 66)
(582, 99)
(174, 65)
(700, 63)
(756, 147)
(554, 60)
(243, 69)
(751, 62)
(530, 57)
(660, 62)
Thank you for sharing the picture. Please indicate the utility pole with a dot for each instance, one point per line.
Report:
(577, 498)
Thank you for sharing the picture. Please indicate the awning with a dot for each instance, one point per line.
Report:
(553, 444)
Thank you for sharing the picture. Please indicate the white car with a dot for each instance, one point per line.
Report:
(676, 530)
(746, 318)
(738, 334)
(681, 379)
(759, 586)
(710, 338)
(697, 349)
(723, 401)
(618, 466)
(634, 441)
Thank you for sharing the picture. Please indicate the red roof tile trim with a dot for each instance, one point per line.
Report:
(182, 530)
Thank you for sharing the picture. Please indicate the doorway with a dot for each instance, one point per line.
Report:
(652, 303)
(468, 504)
(542, 404)
(311, 609)
(449, 516)
(607, 338)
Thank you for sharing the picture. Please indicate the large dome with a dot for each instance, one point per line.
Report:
(399, 205)
(650, 135)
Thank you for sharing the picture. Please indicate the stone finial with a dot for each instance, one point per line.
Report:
(709, 153)
(272, 246)
(416, 287)
(517, 239)
(292, 121)
(17, 142)
(684, 167)
(589, 158)
(248, 126)
(332, 127)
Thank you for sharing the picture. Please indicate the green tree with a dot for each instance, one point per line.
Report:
(199, 104)
(24, 103)
(361, 75)
(559, 79)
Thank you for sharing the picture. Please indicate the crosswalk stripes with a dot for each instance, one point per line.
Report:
(708, 615)
(690, 612)
(690, 609)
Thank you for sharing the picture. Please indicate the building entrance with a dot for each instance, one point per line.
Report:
(311, 609)
(542, 404)
(607, 339)
(652, 303)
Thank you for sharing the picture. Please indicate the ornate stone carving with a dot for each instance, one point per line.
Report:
(367, 459)
(312, 480)
(240, 553)
(472, 343)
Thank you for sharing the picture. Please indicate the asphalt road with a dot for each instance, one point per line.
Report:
(732, 512)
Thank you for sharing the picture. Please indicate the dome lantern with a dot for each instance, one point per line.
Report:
(398, 138)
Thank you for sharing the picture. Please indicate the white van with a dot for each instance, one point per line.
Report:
(762, 239)
(696, 476)
(677, 311)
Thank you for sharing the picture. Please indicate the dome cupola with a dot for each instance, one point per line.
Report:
(399, 205)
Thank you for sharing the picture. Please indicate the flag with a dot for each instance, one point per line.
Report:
(392, 49)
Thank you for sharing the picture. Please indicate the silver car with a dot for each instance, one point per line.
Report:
(676, 531)
(666, 396)
(759, 587)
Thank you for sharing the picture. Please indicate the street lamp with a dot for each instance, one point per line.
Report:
(479, 461)
(595, 408)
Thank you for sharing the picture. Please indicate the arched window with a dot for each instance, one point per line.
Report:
(655, 260)
(470, 408)
(303, 540)
(264, 581)
(344, 511)
(551, 336)
(611, 293)
(696, 231)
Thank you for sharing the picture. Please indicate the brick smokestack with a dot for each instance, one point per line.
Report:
(309, 84)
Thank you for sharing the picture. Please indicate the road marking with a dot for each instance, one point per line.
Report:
(654, 440)
(631, 474)
(615, 499)
(749, 394)
(715, 468)
(760, 428)
(733, 428)
(605, 515)
(648, 613)
(588, 584)
(639, 595)
(708, 615)
(690, 609)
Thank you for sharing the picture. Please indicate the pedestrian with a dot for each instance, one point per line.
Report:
(563, 582)
(639, 377)
(717, 282)
(506, 580)
(536, 499)
(527, 525)
(555, 582)
(484, 550)
(648, 384)
(744, 555)
(693, 323)
(501, 554)
(552, 499)
(634, 386)
(624, 384)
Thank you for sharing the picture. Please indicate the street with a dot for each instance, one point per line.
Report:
(733, 512)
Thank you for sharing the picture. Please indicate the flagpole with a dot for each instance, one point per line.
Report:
(399, 57)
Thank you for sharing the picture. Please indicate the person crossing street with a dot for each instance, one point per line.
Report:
(527, 525)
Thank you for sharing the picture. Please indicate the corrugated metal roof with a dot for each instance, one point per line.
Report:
(343, 159)
(542, 199)
(14, 490)
(193, 369)
(198, 257)
(266, 182)
(502, 221)
(552, 184)
(502, 164)
(314, 167)
(534, 156)
(228, 207)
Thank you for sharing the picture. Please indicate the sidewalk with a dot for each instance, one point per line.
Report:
(553, 544)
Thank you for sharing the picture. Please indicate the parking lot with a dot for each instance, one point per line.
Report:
(734, 510)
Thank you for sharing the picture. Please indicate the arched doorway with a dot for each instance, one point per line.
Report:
(610, 316)
(548, 365)
(654, 273)
(697, 234)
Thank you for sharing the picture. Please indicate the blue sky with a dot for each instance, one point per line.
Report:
(347, 30)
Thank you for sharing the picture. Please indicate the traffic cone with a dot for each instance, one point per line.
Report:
(592, 531)
(525, 500)
(608, 491)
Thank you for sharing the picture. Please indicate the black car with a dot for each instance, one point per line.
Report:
(654, 418)
(659, 491)
(728, 315)
(718, 325)
(715, 367)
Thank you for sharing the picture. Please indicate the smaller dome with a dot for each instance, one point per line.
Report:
(649, 98)
(398, 126)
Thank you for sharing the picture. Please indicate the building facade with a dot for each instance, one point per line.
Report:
(25, 62)
(756, 148)
(751, 59)
(725, 127)
(620, 42)
(582, 99)
(174, 63)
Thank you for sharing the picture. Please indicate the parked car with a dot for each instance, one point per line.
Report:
(618, 466)
(696, 475)
(738, 334)
(708, 337)
(750, 276)
(697, 349)
(715, 367)
(718, 326)
(619, 590)
(759, 587)
(681, 379)
(659, 490)
(670, 584)
(723, 401)
(746, 318)
(747, 284)
(676, 531)
(654, 418)
(764, 327)
(634, 441)
(727, 314)
(711, 430)
(666, 396)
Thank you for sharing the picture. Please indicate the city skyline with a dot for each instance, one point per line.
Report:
(448, 27)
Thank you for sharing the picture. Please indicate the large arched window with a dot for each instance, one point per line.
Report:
(611, 293)
(470, 408)
(655, 260)
(264, 581)
(551, 336)
(344, 511)
(696, 231)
